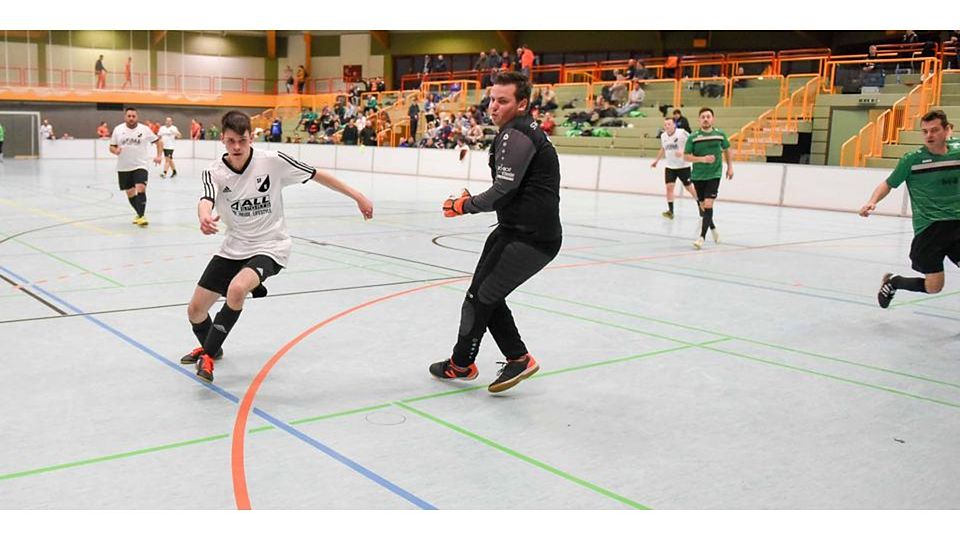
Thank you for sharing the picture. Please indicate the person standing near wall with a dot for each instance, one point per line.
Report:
(127, 75)
(2, 134)
(100, 72)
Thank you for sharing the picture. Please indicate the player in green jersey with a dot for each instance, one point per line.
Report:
(704, 148)
(932, 174)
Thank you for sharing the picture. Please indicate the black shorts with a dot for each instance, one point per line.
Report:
(130, 178)
(220, 271)
(707, 189)
(168, 152)
(672, 175)
(941, 239)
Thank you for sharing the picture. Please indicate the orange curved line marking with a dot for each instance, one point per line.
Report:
(240, 492)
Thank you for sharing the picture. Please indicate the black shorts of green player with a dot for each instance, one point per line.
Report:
(932, 176)
(707, 148)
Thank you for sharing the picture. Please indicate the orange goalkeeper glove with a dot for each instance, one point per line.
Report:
(453, 207)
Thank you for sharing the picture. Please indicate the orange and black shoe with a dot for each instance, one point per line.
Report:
(205, 367)
(448, 370)
(512, 372)
(194, 355)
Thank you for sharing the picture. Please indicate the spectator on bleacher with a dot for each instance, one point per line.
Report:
(619, 89)
(870, 66)
(312, 139)
(368, 136)
(100, 72)
(288, 78)
(407, 143)
(681, 121)
(634, 101)
(103, 131)
(361, 122)
(194, 129)
(548, 124)
(427, 64)
(46, 130)
(527, 59)
(413, 113)
(481, 63)
(548, 99)
(276, 130)
(127, 81)
(381, 85)
(350, 111)
(484, 101)
(371, 105)
(441, 65)
(66, 136)
(301, 79)
(740, 83)
(213, 133)
(154, 126)
(350, 133)
(474, 133)
(954, 42)
(307, 116)
(203, 134)
(429, 110)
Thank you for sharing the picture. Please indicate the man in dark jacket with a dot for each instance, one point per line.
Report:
(526, 197)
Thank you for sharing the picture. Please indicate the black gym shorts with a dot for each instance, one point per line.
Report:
(220, 271)
(168, 152)
(707, 189)
(128, 179)
(940, 239)
(672, 175)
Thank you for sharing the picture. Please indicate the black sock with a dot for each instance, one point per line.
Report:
(222, 325)
(259, 291)
(202, 330)
(142, 201)
(134, 202)
(670, 205)
(909, 284)
(700, 210)
(707, 221)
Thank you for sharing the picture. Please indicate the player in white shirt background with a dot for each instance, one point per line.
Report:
(131, 142)
(672, 141)
(168, 133)
(245, 187)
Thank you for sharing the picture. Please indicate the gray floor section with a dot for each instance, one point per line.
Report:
(757, 373)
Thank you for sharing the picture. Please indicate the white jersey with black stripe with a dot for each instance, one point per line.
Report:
(249, 202)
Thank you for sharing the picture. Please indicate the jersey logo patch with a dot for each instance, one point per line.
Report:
(264, 182)
(226, 189)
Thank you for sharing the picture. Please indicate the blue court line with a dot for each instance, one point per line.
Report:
(424, 505)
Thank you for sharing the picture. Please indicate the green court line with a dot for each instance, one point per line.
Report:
(523, 457)
(835, 377)
(928, 298)
(70, 263)
(741, 338)
(311, 419)
(687, 327)
(181, 444)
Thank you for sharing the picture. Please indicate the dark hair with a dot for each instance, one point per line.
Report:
(670, 118)
(705, 109)
(937, 114)
(677, 111)
(134, 109)
(519, 79)
(236, 121)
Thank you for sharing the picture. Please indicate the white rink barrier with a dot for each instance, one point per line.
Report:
(801, 186)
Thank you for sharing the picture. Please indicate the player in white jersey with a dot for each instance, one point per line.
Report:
(131, 142)
(672, 141)
(245, 187)
(168, 133)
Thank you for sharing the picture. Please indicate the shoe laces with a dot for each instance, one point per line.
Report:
(887, 289)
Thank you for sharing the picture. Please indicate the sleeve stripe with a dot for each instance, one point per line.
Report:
(298, 164)
(208, 189)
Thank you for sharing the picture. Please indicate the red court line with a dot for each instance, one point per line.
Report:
(240, 492)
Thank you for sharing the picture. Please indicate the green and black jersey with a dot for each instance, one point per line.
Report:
(934, 185)
(704, 143)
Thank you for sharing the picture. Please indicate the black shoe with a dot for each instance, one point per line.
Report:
(174, 173)
(447, 370)
(886, 291)
(194, 355)
(512, 372)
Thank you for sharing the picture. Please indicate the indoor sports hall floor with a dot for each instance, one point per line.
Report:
(757, 373)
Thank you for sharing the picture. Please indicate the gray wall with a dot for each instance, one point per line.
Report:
(80, 120)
